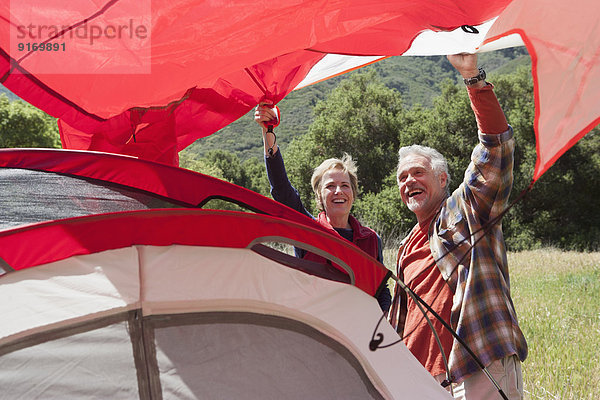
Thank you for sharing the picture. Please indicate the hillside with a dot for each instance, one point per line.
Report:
(416, 78)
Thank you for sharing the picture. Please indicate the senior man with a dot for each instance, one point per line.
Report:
(455, 257)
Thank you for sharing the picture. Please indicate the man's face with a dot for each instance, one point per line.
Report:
(421, 189)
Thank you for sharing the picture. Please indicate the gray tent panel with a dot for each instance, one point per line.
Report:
(94, 364)
(35, 196)
(253, 356)
(214, 355)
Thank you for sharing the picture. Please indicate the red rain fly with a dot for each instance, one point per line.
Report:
(147, 78)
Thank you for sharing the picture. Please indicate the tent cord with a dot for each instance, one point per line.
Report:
(373, 345)
(448, 381)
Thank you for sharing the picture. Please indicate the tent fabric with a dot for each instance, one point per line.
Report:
(95, 233)
(565, 54)
(168, 303)
(262, 350)
(181, 292)
(56, 368)
(24, 195)
(195, 87)
(197, 43)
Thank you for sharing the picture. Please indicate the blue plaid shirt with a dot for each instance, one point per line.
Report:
(471, 257)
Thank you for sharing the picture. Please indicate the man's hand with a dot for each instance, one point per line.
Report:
(466, 65)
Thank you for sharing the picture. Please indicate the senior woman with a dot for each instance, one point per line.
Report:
(335, 185)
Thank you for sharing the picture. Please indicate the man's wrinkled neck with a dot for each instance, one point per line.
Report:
(426, 221)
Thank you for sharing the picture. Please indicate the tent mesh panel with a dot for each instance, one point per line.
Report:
(97, 364)
(210, 355)
(34, 196)
(236, 355)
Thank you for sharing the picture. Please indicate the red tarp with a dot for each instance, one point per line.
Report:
(179, 71)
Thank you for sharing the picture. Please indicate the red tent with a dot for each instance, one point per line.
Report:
(137, 293)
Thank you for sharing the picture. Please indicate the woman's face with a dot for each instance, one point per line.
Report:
(336, 193)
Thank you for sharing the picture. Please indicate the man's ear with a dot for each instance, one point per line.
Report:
(443, 179)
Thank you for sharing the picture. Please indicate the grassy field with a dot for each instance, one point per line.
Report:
(557, 297)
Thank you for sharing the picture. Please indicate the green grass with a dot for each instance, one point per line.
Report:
(557, 297)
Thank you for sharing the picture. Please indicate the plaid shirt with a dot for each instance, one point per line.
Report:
(483, 314)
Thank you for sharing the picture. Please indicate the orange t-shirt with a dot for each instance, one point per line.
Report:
(423, 277)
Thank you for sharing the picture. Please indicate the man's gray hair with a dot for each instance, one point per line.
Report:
(437, 160)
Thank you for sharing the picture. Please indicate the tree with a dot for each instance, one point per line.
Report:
(385, 213)
(188, 161)
(257, 176)
(360, 117)
(22, 125)
(227, 166)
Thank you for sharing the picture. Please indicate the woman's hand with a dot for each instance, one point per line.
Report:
(263, 114)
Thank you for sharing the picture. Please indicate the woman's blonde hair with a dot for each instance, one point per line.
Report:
(346, 164)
